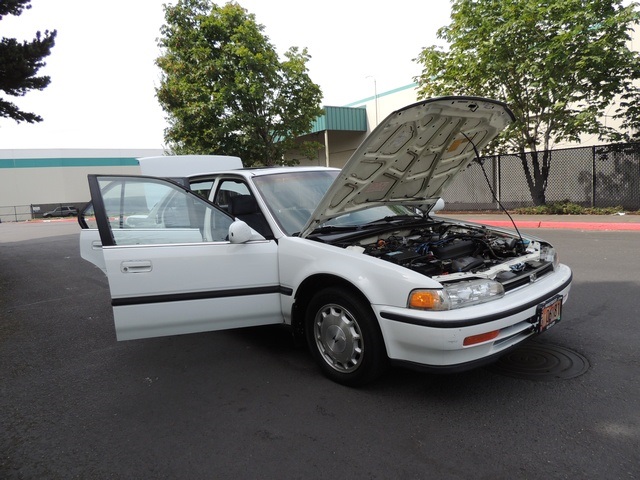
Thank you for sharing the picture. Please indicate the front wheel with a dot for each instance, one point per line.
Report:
(344, 337)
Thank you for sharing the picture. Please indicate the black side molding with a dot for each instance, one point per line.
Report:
(183, 297)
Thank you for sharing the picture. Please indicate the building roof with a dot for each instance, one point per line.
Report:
(341, 118)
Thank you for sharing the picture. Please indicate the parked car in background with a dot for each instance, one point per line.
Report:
(356, 261)
(65, 211)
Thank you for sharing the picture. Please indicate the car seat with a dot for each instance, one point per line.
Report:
(245, 208)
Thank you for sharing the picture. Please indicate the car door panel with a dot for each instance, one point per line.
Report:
(171, 270)
(215, 291)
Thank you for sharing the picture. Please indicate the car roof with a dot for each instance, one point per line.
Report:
(251, 172)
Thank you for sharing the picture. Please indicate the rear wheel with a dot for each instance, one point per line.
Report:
(344, 337)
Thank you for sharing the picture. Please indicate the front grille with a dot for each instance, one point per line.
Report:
(527, 276)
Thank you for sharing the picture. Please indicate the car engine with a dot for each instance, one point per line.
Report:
(442, 249)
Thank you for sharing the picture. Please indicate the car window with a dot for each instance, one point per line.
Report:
(202, 188)
(228, 189)
(235, 198)
(151, 211)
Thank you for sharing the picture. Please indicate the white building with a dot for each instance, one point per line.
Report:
(39, 179)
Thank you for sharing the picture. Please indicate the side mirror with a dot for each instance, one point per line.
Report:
(239, 232)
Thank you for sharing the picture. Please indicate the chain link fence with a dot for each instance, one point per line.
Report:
(23, 213)
(598, 176)
(16, 213)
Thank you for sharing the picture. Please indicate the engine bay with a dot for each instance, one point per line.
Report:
(448, 251)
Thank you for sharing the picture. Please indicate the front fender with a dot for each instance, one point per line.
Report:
(381, 282)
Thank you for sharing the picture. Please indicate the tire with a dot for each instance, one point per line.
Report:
(344, 337)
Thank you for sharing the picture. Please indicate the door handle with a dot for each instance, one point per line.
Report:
(136, 266)
(96, 245)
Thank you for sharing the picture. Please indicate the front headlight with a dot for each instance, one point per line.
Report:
(456, 295)
(549, 254)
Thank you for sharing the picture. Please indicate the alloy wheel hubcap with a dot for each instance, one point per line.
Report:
(338, 338)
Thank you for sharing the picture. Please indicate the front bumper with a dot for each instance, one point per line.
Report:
(435, 339)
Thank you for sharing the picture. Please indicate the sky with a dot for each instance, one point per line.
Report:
(103, 77)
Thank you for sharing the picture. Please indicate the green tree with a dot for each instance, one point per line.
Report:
(20, 62)
(561, 65)
(225, 90)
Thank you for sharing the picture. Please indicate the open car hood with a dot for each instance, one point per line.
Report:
(412, 155)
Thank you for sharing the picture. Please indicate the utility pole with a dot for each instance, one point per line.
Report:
(375, 97)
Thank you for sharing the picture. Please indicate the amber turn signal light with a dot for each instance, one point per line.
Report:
(426, 299)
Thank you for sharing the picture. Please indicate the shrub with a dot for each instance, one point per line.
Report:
(567, 208)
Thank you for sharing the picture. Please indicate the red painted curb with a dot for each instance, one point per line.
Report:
(602, 226)
(54, 220)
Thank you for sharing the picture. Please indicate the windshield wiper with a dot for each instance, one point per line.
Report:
(329, 229)
(394, 219)
(335, 228)
(376, 223)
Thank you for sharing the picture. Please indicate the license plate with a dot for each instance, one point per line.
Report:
(549, 313)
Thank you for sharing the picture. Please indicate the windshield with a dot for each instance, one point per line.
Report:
(370, 215)
(293, 196)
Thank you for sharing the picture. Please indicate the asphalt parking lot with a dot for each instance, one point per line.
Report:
(248, 404)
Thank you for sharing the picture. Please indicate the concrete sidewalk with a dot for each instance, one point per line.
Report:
(572, 222)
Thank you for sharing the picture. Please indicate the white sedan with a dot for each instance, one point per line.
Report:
(354, 260)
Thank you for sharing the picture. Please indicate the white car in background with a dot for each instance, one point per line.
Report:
(354, 260)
